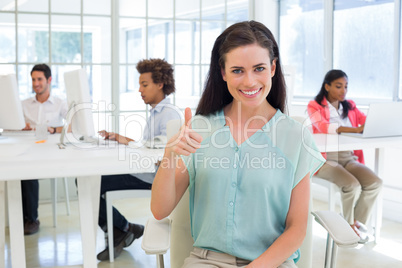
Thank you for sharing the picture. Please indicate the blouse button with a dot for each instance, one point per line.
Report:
(231, 203)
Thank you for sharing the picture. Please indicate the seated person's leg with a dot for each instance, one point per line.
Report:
(30, 199)
(349, 185)
(350, 192)
(371, 186)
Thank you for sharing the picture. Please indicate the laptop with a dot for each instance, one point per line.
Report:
(383, 120)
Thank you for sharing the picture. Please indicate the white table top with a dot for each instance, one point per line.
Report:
(21, 158)
(335, 142)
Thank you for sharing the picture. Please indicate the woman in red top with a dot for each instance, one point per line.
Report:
(331, 113)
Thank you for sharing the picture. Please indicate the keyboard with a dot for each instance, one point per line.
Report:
(7, 132)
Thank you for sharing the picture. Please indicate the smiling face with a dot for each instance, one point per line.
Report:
(151, 93)
(39, 83)
(248, 73)
(337, 89)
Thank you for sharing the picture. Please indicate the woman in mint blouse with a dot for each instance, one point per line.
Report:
(246, 163)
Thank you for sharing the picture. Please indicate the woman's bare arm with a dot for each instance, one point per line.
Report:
(296, 225)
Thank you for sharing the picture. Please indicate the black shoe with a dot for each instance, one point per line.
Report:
(104, 255)
(121, 240)
(137, 230)
(31, 227)
(119, 244)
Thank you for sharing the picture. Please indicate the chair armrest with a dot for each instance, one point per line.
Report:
(336, 226)
(156, 238)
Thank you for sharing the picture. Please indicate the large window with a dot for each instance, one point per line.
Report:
(180, 31)
(61, 35)
(107, 38)
(364, 46)
(353, 35)
(301, 42)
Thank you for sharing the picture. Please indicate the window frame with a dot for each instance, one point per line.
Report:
(329, 9)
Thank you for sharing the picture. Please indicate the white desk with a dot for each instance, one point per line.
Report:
(333, 143)
(46, 160)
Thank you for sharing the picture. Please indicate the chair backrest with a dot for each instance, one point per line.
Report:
(181, 241)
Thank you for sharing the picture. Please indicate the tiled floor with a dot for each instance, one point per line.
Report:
(61, 246)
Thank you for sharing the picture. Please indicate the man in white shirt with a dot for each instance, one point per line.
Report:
(156, 82)
(39, 109)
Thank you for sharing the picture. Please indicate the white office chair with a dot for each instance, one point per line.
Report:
(175, 234)
(171, 128)
(111, 196)
(53, 183)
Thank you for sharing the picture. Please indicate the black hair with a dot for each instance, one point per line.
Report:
(162, 72)
(328, 79)
(42, 68)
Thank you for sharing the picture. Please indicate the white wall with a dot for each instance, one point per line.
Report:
(266, 12)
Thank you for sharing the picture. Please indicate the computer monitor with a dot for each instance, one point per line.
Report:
(11, 114)
(80, 107)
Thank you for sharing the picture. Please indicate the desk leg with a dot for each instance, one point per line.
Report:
(379, 170)
(88, 198)
(16, 228)
(2, 224)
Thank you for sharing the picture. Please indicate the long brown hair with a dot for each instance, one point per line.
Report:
(216, 94)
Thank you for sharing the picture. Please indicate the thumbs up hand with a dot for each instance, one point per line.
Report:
(186, 141)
